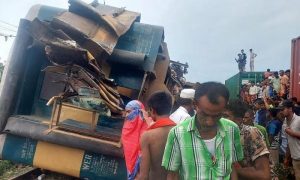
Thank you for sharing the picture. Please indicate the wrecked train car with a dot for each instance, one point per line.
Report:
(69, 75)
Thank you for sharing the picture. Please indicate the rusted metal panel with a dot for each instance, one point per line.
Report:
(127, 77)
(43, 13)
(119, 13)
(127, 58)
(141, 39)
(103, 133)
(101, 31)
(50, 86)
(160, 68)
(145, 39)
(117, 19)
(295, 69)
(141, 44)
(86, 32)
(35, 129)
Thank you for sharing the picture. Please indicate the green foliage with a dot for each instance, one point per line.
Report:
(5, 165)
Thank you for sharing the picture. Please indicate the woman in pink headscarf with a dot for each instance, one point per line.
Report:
(135, 124)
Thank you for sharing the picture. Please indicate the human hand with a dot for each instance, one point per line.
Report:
(289, 131)
(146, 117)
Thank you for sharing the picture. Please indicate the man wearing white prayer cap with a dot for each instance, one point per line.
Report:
(186, 106)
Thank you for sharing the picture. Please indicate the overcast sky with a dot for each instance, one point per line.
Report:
(204, 33)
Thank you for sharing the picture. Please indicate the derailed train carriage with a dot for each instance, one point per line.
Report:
(69, 75)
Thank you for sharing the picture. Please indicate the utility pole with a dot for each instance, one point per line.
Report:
(6, 36)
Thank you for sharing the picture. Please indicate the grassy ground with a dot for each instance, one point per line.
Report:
(9, 170)
(4, 166)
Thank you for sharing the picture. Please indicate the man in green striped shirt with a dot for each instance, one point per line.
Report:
(204, 146)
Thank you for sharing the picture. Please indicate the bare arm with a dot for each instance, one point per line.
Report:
(266, 103)
(172, 175)
(145, 158)
(146, 117)
(260, 170)
(233, 175)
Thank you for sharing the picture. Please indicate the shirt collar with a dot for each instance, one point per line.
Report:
(294, 116)
(192, 126)
(182, 109)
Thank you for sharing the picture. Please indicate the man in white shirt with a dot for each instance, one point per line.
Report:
(291, 126)
(253, 90)
(186, 106)
(252, 56)
(259, 91)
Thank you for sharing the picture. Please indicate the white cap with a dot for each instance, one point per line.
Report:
(187, 93)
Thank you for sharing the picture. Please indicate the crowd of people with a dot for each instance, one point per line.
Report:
(211, 137)
(274, 87)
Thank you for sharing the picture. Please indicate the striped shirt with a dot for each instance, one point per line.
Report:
(187, 153)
